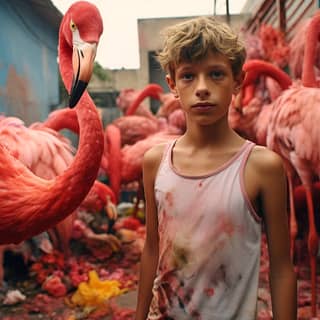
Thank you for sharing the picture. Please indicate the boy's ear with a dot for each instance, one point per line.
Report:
(172, 85)
(239, 80)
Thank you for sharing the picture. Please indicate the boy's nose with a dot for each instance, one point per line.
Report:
(202, 93)
(202, 90)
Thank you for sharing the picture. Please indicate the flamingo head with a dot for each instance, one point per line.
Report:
(82, 27)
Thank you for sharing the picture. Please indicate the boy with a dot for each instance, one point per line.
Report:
(208, 192)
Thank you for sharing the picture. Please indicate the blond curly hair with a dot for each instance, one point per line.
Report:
(191, 40)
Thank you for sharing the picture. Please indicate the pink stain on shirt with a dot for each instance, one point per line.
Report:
(169, 199)
(209, 291)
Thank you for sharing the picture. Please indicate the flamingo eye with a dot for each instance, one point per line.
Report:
(73, 26)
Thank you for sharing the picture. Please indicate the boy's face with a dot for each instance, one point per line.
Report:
(205, 87)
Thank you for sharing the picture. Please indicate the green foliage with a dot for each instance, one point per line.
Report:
(101, 73)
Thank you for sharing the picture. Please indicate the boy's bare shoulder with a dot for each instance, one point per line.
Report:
(265, 161)
(153, 156)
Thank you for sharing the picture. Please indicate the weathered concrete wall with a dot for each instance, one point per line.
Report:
(29, 83)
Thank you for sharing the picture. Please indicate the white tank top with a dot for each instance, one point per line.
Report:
(209, 243)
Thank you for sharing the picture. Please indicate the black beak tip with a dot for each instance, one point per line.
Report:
(76, 93)
(72, 103)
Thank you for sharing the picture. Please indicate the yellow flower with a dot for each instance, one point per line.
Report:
(95, 292)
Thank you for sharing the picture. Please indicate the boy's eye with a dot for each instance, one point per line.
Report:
(187, 76)
(217, 74)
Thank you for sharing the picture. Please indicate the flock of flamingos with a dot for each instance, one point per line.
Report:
(43, 186)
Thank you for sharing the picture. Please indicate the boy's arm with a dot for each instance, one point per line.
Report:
(150, 253)
(283, 282)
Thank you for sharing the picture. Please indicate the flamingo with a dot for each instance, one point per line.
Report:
(297, 49)
(29, 204)
(135, 125)
(48, 154)
(252, 120)
(292, 132)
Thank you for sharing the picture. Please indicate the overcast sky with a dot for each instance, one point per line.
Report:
(118, 47)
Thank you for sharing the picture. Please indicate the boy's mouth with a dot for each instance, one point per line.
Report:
(203, 106)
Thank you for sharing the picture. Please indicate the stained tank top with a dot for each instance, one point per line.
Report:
(209, 243)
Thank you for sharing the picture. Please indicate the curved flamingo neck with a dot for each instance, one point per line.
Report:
(256, 124)
(63, 119)
(151, 90)
(311, 42)
(80, 176)
(256, 68)
(113, 143)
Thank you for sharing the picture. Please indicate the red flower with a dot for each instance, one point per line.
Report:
(55, 286)
(37, 266)
(60, 261)
(42, 276)
(48, 259)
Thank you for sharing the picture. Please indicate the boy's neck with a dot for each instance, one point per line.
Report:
(219, 135)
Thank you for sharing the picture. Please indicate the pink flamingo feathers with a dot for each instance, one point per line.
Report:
(292, 132)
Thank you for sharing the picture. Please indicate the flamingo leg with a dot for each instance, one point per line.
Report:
(313, 249)
(293, 220)
(113, 143)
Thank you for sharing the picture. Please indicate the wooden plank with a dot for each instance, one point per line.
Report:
(258, 16)
(281, 4)
(307, 12)
(281, 14)
(270, 14)
(296, 13)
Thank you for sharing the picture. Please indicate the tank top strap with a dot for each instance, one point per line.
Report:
(245, 155)
(237, 160)
(165, 159)
(249, 145)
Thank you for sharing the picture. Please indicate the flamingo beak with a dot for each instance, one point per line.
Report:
(82, 62)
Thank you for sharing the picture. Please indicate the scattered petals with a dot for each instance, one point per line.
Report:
(13, 297)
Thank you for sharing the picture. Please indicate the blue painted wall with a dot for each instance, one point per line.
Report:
(29, 79)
